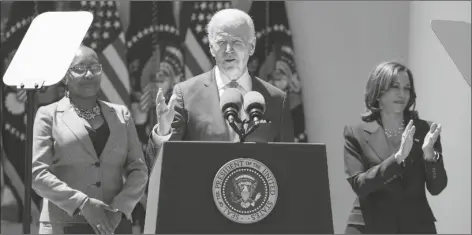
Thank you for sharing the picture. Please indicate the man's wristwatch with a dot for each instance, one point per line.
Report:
(79, 210)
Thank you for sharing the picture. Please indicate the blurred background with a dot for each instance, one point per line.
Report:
(320, 52)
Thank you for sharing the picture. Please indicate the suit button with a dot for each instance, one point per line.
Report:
(98, 184)
(97, 164)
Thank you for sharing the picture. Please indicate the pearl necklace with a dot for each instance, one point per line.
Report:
(390, 133)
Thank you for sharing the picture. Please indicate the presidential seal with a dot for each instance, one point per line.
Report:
(245, 190)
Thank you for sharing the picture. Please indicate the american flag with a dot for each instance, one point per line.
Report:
(274, 40)
(107, 38)
(197, 52)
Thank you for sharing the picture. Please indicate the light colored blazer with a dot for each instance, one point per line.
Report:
(66, 167)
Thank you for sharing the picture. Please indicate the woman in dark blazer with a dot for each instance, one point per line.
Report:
(390, 156)
(88, 163)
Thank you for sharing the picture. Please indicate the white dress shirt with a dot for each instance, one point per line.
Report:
(245, 84)
(221, 81)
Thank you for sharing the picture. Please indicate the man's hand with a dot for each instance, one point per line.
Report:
(165, 113)
(94, 213)
(115, 218)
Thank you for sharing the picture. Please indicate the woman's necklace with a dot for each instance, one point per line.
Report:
(390, 133)
(87, 114)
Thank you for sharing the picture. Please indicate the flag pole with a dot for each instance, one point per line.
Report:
(267, 25)
(2, 86)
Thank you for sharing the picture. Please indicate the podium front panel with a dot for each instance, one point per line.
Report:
(186, 202)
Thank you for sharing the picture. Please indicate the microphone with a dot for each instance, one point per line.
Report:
(254, 105)
(231, 101)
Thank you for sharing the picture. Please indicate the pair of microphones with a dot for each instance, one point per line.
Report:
(253, 104)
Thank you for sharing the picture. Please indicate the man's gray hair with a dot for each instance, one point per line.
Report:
(231, 12)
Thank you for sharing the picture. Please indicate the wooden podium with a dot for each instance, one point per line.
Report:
(228, 188)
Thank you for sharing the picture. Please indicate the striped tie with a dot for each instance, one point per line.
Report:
(235, 84)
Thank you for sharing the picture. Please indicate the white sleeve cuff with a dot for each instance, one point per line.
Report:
(158, 139)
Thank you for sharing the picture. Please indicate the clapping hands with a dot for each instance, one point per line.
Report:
(429, 141)
(407, 142)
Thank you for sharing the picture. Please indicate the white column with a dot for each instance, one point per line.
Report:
(444, 97)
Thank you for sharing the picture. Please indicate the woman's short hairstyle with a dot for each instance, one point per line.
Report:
(380, 81)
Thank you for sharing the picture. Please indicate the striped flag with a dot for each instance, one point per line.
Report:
(197, 52)
(155, 59)
(107, 38)
(274, 60)
(142, 57)
(141, 37)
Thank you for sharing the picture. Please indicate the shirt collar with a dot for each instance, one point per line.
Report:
(244, 80)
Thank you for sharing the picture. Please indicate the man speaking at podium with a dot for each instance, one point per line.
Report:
(193, 112)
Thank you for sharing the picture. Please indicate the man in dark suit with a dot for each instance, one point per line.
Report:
(194, 113)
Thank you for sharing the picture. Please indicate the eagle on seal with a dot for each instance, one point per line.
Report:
(244, 188)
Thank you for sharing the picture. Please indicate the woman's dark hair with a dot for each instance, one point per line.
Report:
(380, 81)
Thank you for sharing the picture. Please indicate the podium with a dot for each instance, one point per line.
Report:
(235, 188)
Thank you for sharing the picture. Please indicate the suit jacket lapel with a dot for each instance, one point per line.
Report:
(259, 87)
(266, 131)
(211, 98)
(73, 122)
(418, 138)
(377, 140)
(113, 124)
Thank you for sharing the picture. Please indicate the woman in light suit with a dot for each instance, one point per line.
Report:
(390, 156)
(88, 164)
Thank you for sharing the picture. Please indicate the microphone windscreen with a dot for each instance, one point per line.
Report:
(231, 97)
(254, 99)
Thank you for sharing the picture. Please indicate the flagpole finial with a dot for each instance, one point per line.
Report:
(62, 6)
(35, 9)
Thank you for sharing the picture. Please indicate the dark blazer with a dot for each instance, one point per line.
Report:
(198, 115)
(66, 168)
(391, 198)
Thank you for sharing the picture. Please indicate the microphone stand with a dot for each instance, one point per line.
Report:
(30, 112)
(30, 103)
(250, 130)
(239, 131)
